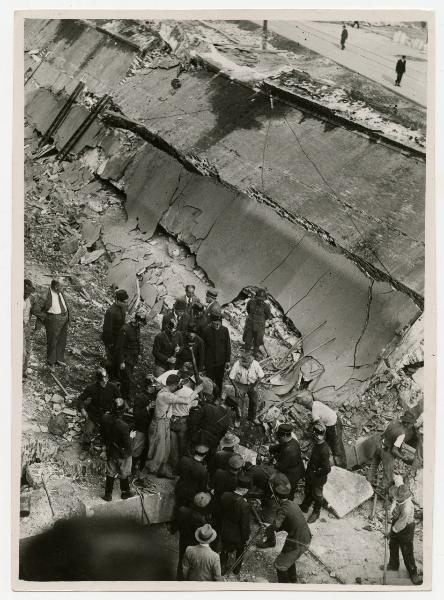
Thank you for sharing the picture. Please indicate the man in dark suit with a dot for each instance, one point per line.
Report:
(112, 324)
(54, 313)
(400, 70)
(216, 338)
(288, 457)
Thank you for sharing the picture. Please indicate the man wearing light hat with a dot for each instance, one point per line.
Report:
(221, 458)
(402, 533)
(200, 563)
(113, 322)
(287, 454)
(318, 468)
(188, 520)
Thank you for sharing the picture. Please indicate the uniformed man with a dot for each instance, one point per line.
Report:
(287, 454)
(216, 338)
(118, 451)
(318, 468)
(235, 523)
(128, 350)
(113, 322)
(258, 313)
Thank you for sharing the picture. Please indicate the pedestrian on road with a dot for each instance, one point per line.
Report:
(245, 376)
(118, 451)
(200, 563)
(289, 518)
(166, 347)
(258, 313)
(401, 534)
(287, 453)
(400, 70)
(316, 475)
(216, 338)
(93, 403)
(327, 416)
(113, 322)
(128, 350)
(344, 36)
(235, 519)
(53, 311)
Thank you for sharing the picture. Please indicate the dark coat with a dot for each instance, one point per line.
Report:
(43, 303)
(214, 424)
(394, 430)
(164, 346)
(143, 412)
(344, 35)
(235, 519)
(318, 466)
(400, 66)
(188, 519)
(223, 481)
(221, 458)
(289, 460)
(113, 322)
(217, 346)
(193, 478)
(290, 518)
(258, 311)
(128, 346)
(213, 308)
(97, 400)
(199, 354)
(117, 437)
(182, 322)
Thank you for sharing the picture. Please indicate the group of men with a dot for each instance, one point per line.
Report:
(183, 426)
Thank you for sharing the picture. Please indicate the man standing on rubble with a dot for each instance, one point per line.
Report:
(193, 347)
(143, 413)
(114, 321)
(321, 413)
(166, 347)
(179, 417)
(128, 350)
(389, 450)
(287, 453)
(93, 403)
(245, 376)
(190, 297)
(216, 338)
(178, 314)
(212, 306)
(118, 451)
(258, 313)
(53, 311)
(235, 523)
(316, 475)
(289, 518)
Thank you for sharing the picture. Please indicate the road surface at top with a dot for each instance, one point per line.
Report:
(370, 54)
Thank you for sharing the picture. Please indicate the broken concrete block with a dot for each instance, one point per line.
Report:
(362, 452)
(57, 398)
(70, 411)
(70, 246)
(345, 491)
(33, 474)
(91, 257)
(58, 425)
(247, 454)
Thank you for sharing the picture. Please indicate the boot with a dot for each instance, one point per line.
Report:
(304, 506)
(109, 484)
(315, 514)
(292, 575)
(125, 489)
(282, 576)
(416, 579)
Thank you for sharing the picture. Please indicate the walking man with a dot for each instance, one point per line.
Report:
(344, 36)
(321, 413)
(112, 324)
(128, 350)
(287, 453)
(316, 475)
(400, 70)
(258, 313)
(118, 451)
(402, 533)
(200, 563)
(245, 376)
(216, 338)
(235, 523)
(54, 313)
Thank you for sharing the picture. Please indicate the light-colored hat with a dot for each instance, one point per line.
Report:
(229, 440)
(202, 499)
(205, 534)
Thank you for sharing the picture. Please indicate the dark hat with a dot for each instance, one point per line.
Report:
(283, 490)
(205, 534)
(236, 462)
(202, 499)
(28, 285)
(215, 316)
(285, 429)
(402, 493)
(408, 417)
(121, 295)
(172, 379)
(140, 316)
(180, 304)
(212, 292)
(261, 293)
(244, 482)
(319, 427)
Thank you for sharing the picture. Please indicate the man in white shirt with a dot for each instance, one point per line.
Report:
(55, 315)
(245, 376)
(321, 413)
(179, 416)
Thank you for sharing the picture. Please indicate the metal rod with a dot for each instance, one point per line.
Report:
(299, 341)
(62, 114)
(320, 346)
(59, 384)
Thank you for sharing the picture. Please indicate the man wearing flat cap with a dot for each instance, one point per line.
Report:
(287, 454)
(112, 324)
(221, 458)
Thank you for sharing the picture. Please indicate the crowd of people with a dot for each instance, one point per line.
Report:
(183, 426)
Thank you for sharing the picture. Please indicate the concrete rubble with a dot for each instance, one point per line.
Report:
(345, 491)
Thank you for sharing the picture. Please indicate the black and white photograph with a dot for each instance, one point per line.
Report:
(225, 348)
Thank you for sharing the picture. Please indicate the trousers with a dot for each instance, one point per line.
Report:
(333, 437)
(56, 333)
(403, 540)
(253, 335)
(388, 463)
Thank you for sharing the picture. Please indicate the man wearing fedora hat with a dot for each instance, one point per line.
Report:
(318, 468)
(287, 455)
(235, 523)
(221, 458)
(200, 563)
(402, 532)
(188, 520)
(113, 322)
(193, 476)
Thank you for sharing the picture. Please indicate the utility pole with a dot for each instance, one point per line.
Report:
(264, 35)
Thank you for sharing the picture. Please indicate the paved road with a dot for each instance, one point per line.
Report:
(370, 54)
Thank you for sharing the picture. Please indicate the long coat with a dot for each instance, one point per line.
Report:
(289, 461)
(235, 519)
(193, 478)
(217, 346)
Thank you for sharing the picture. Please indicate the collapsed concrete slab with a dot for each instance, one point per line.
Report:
(362, 452)
(345, 491)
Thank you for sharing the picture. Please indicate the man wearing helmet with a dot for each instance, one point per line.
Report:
(94, 402)
(128, 350)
